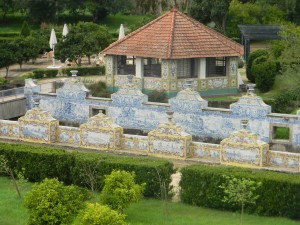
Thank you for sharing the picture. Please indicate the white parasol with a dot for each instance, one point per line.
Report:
(121, 32)
(65, 30)
(52, 43)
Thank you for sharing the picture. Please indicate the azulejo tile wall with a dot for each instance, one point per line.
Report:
(243, 148)
(130, 108)
(169, 140)
(38, 126)
(101, 132)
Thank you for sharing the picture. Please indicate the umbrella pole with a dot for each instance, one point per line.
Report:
(53, 56)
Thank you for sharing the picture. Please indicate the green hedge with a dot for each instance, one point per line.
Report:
(72, 167)
(10, 34)
(49, 73)
(85, 71)
(279, 194)
(252, 56)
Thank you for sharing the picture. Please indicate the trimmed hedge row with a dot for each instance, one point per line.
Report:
(76, 167)
(85, 71)
(279, 194)
(49, 73)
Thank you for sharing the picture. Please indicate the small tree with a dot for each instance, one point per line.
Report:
(25, 31)
(8, 55)
(240, 191)
(251, 58)
(265, 73)
(120, 190)
(50, 202)
(6, 169)
(96, 214)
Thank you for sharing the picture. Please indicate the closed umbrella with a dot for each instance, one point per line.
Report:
(121, 32)
(52, 43)
(65, 30)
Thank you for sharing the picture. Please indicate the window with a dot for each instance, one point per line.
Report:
(215, 67)
(152, 67)
(94, 110)
(126, 65)
(186, 68)
(280, 133)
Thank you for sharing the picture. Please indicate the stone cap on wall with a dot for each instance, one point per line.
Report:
(250, 105)
(188, 101)
(244, 137)
(37, 115)
(129, 95)
(73, 89)
(100, 121)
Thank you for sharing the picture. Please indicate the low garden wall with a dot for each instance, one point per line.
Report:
(168, 140)
(130, 109)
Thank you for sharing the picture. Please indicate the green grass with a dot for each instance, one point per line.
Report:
(113, 22)
(146, 212)
(154, 212)
(11, 206)
(282, 133)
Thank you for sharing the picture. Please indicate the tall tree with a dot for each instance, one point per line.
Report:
(28, 48)
(211, 11)
(8, 56)
(43, 10)
(5, 7)
(83, 39)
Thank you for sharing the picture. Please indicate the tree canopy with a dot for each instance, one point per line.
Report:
(85, 38)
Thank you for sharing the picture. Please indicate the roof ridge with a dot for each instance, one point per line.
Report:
(136, 31)
(171, 32)
(212, 32)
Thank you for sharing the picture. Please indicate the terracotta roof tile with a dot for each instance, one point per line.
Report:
(172, 36)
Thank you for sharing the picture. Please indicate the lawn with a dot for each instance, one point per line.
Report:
(148, 211)
(113, 22)
(14, 22)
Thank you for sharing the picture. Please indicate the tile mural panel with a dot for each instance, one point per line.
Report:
(243, 148)
(38, 126)
(130, 108)
(9, 128)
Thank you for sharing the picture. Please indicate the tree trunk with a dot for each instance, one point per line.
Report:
(89, 59)
(15, 183)
(242, 213)
(6, 74)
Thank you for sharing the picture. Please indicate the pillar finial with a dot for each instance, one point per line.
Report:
(251, 89)
(74, 73)
(170, 114)
(244, 124)
(130, 80)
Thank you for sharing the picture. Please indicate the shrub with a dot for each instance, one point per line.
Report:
(265, 72)
(278, 195)
(50, 202)
(25, 30)
(85, 71)
(120, 190)
(42, 162)
(286, 101)
(251, 58)
(38, 74)
(2, 81)
(241, 62)
(96, 214)
(157, 96)
(99, 90)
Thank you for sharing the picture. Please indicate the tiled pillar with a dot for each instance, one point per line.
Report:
(202, 68)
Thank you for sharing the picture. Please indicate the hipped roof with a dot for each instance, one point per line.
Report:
(173, 36)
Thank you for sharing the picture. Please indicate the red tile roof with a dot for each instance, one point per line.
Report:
(173, 36)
